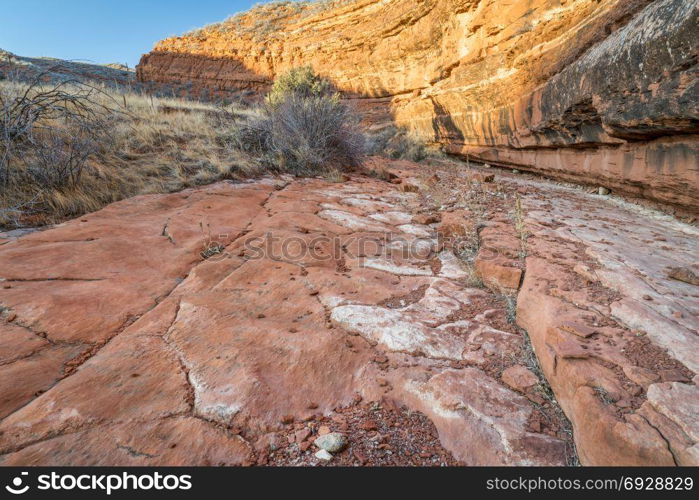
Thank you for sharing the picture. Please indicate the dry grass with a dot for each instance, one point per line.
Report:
(139, 144)
(399, 144)
(150, 145)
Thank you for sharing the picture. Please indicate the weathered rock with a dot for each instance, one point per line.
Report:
(333, 442)
(270, 345)
(519, 378)
(472, 407)
(168, 442)
(323, 455)
(582, 304)
(597, 91)
(256, 339)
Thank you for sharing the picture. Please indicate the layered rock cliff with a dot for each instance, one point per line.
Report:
(598, 91)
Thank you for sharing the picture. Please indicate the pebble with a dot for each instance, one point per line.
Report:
(332, 442)
(301, 435)
(368, 425)
(323, 455)
(603, 191)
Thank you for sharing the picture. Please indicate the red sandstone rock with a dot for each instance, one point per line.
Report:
(241, 344)
(519, 378)
(585, 327)
(498, 274)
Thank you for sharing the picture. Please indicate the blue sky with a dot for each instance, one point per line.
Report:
(103, 31)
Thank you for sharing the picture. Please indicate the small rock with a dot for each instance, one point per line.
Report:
(519, 378)
(684, 274)
(515, 171)
(302, 435)
(323, 430)
(577, 329)
(333, 442)
(603, 191)
(368, 425)
(641, 376)
(269, 442)
(571, 350)
(323, 455)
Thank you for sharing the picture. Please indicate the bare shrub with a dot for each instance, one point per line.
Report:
(59, 158)
(399, 144)
(53, 127)
(303, 128)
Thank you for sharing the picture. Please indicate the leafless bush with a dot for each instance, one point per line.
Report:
(303, 135)
(397, 143)
(50, 125)
(59, 158)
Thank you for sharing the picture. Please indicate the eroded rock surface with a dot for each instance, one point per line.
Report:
(600, 91)
(356, 308)
(612, 329)
(124, 346)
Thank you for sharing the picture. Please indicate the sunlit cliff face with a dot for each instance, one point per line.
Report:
(579, 89)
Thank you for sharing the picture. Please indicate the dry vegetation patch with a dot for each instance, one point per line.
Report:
(70, 147)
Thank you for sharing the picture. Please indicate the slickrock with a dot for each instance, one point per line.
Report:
(611, 329)
(328, 312)
(131, 348)
(599, 91)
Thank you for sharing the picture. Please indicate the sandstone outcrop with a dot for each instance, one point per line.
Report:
(336, 308)
(122, 345)
(597, 91)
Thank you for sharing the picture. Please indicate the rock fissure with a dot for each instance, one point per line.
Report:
(249, 349)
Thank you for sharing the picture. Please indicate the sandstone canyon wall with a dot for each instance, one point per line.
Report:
(599, 91)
